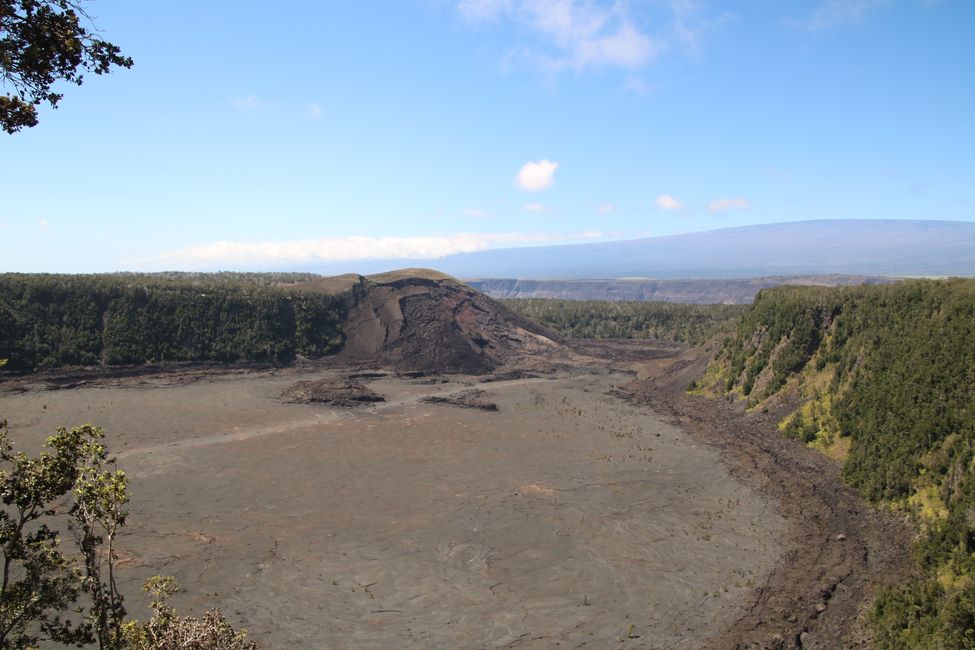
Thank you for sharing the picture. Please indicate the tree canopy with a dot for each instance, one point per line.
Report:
(64, 591)
(43, 42)
(883, 377)
(598, 319)
(57, 320)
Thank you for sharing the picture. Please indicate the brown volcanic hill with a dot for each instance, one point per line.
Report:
(420, 319)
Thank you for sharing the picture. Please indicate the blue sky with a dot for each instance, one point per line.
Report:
(251, 136)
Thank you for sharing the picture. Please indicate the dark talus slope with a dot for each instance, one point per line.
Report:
(883, 379)
(424, 320)
(838, 550)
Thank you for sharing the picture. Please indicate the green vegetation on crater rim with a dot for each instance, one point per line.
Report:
(598, 319)
(58, 320)
(882, 378)
(127, 318)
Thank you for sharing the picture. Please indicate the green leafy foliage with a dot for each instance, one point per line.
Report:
(597, 319)
(41, 581)
(43, 42)
(167, 630)
(892, 369)
(67, 594)
(58, 320)
(921, 615)
(783, 327)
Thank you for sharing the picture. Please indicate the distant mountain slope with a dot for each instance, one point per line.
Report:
(853, 247)
(695, 291)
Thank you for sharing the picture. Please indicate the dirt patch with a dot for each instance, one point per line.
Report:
(332, 391)
(567, 518)
(534, 490)
(468, 399)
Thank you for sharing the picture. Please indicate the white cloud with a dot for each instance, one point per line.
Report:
(667, 202)
(689, 27)
(575, 33)
(720, 205)
(42, 223)
(475, 212)
(536, 176)
(836, 13)
(247, 104)
(606, 208)
(536, 208)
(636, 85)
(314, 111)
(231, 254)
(481, 10)
(627, 48)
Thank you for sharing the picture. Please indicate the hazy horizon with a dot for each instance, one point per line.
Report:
(344, 133)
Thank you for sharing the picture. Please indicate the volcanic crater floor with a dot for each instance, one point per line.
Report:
(567, 517)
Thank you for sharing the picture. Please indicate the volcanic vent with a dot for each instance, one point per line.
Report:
(419, 319)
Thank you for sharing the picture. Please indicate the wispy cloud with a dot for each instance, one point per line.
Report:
(536, 176)
(536, 208)
(574, 34)
(42, 223)
(481, 10)
(475, 212)
(837, 13)
(667, 202)
(636, 85)
(606, 208)
(232, 254)
(688, 26)
(720, 205)
(314, 111)
(247, 104)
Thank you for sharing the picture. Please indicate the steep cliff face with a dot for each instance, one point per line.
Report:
(883, 379)
(424, 320)
(416, 318)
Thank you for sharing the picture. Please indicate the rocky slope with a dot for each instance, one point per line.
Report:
(882, 379)
(424, 320)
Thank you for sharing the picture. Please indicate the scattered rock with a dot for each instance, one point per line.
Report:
(411, 374)
(368, 375)
(509, 375)
(337, 392)
(468, 399)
